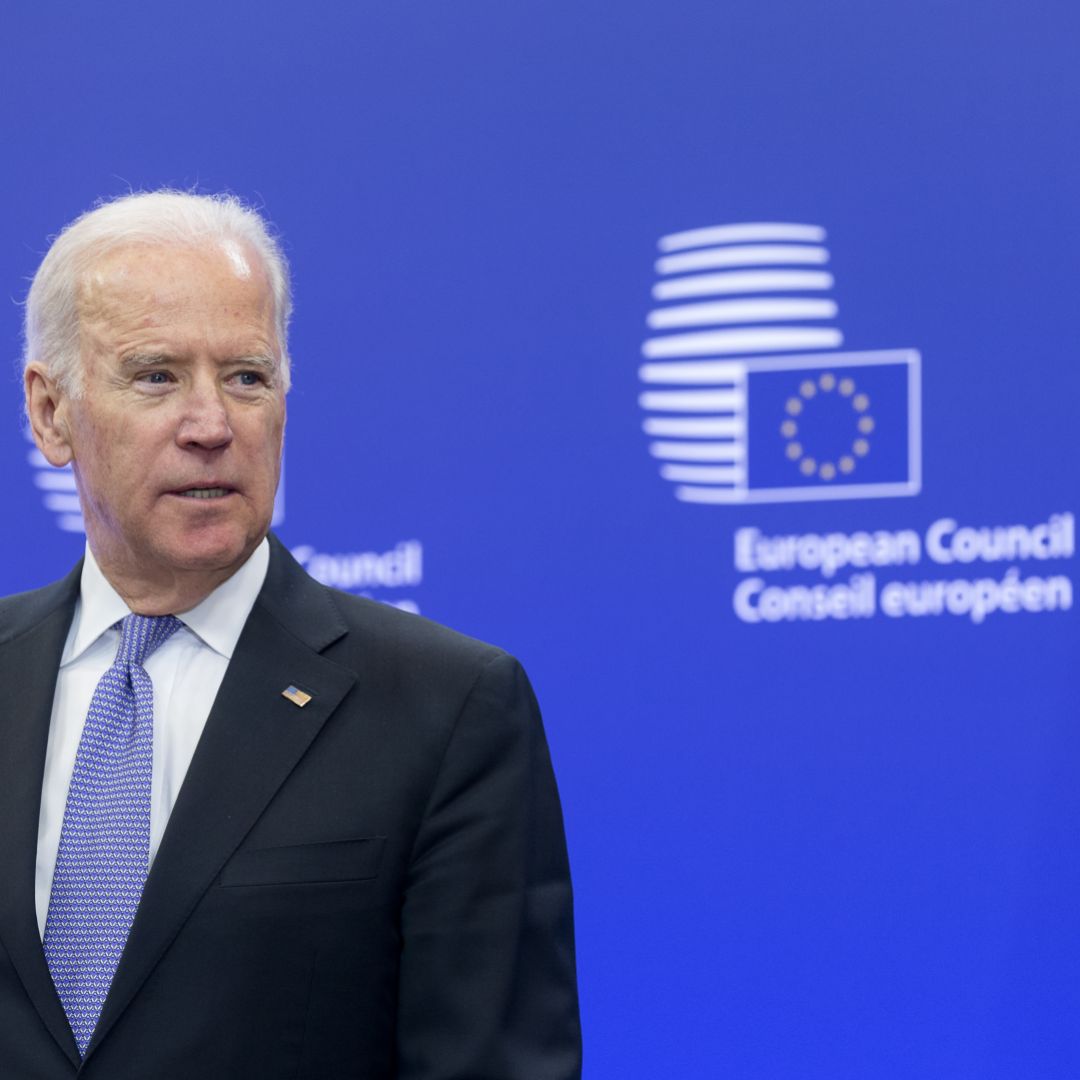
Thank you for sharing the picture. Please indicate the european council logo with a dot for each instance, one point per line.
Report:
(60, 497)
(749, 398)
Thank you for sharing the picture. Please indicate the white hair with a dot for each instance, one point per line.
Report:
(51, 328)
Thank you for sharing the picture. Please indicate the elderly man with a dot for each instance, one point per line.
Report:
(251, 827)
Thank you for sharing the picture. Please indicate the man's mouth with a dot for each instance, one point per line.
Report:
(205, 492)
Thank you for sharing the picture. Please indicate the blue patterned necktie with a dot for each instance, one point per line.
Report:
(104, 852)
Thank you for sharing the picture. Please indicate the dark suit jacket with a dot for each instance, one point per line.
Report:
(374, 885)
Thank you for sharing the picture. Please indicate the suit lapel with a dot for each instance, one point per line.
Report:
(252, 740)
(30, 650)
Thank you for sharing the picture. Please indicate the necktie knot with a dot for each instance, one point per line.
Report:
(140, 635)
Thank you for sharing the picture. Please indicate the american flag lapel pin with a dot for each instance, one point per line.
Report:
(296, 695)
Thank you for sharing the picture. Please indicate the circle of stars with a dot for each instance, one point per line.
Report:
(827, 383)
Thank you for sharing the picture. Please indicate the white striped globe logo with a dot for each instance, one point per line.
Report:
(747, 395)
(57, 487)
(60, 497)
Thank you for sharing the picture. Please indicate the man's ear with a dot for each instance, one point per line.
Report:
(47, 406)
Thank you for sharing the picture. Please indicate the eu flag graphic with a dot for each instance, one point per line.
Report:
(835, 426)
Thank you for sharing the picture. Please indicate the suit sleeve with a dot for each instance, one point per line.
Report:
(487, 986)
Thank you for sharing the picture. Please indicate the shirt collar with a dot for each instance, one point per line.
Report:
(217, 620)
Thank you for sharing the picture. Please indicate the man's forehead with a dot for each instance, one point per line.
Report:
(164, 272)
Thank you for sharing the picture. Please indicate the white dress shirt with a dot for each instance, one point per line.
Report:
(186, 672)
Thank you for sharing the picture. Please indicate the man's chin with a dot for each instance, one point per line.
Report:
(208, 550)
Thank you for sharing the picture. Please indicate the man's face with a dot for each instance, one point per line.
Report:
(176, 438)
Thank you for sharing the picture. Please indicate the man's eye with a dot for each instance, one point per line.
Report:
(249, 378)
(156, 378)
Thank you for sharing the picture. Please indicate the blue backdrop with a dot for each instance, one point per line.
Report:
(804, 631)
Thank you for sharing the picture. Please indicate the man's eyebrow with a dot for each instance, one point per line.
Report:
(139, 360)
(257, 360)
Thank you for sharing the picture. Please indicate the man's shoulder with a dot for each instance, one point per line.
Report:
(365, 633)
(22, 611)
(390, 631)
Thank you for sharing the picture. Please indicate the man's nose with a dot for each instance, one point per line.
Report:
(205, 421)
